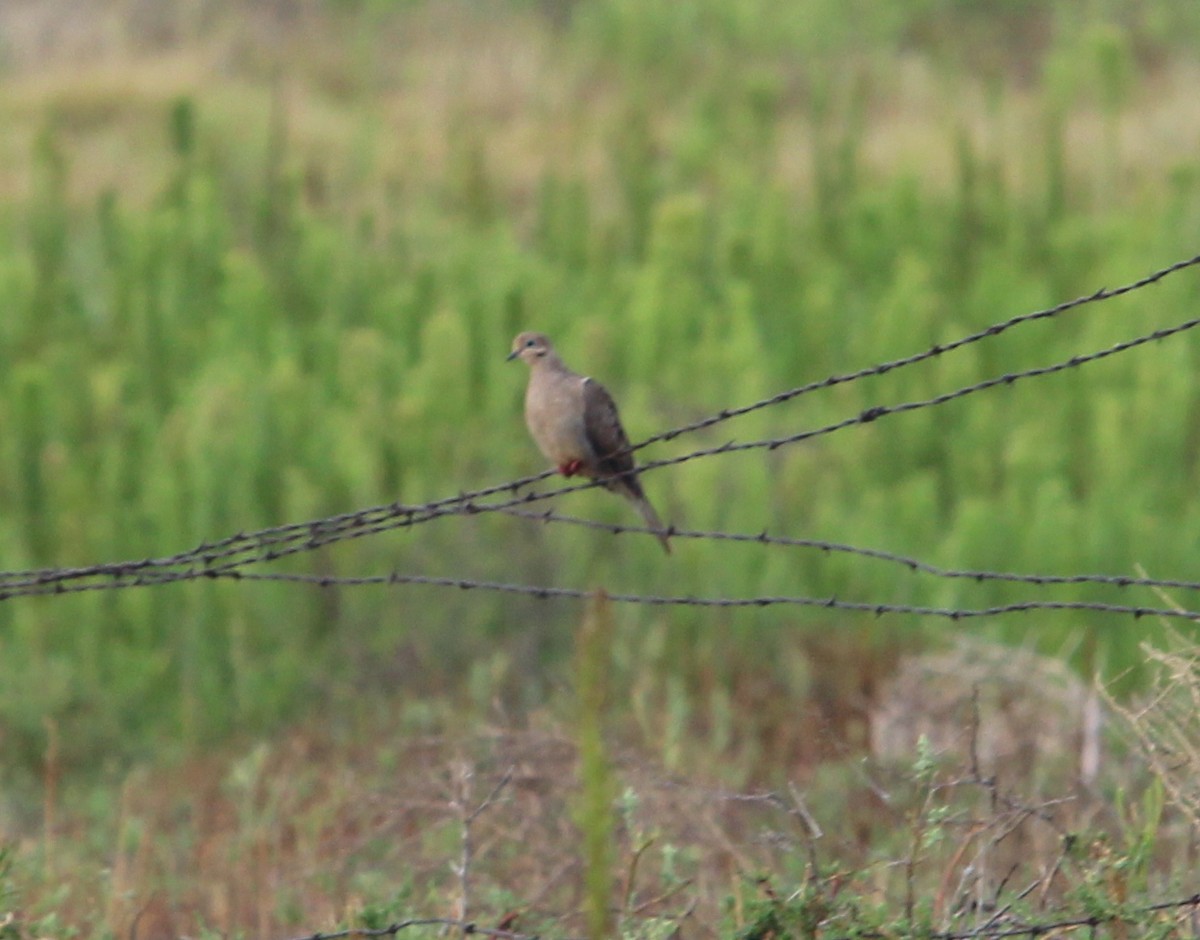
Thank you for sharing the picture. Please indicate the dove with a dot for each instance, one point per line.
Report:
(574, 422)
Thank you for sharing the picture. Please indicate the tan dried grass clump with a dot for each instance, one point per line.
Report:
(1165, 724)
(1017, 709)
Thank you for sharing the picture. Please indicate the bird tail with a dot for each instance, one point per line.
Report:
(652, 520)
(630, 487)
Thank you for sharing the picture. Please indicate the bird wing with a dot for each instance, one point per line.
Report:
(602, 425)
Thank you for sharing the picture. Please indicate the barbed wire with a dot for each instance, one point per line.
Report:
(465, 926)
(217, 559)
(936, 350)
(142, 574)
(997, 931)
(869, 415)
(146, 575)
(992, 930)
(141, 577)
(279, 542)
(827, 547)
(546, 592)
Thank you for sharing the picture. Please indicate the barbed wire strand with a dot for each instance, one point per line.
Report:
(546, 592)
(280, 541)
(543, 592)
(233, 572)
(827, 547)
(465, 926)
(143, 576)
(44, 583)
(1040, 928)
(936, 350)
(988, 931)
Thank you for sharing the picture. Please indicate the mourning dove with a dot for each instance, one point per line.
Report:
(574, 422)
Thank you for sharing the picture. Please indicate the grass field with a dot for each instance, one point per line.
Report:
(261, 263)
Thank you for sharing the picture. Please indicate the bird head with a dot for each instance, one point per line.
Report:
(530, 347)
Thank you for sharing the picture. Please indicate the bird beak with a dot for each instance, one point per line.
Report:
(512, 355)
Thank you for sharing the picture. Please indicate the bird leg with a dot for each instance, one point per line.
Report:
(571, 467)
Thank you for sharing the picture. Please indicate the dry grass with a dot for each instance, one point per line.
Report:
(369, 824)
(305, 833)
(389, 100)
(1164, 723)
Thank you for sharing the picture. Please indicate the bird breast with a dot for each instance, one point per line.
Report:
(554, 414)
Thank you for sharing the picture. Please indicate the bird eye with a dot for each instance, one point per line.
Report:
(530, 343)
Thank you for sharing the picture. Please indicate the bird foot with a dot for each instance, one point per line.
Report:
(570, 468)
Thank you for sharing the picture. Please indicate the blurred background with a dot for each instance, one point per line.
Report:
(261, 262)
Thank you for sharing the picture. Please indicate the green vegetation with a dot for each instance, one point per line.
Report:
(244, 284)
